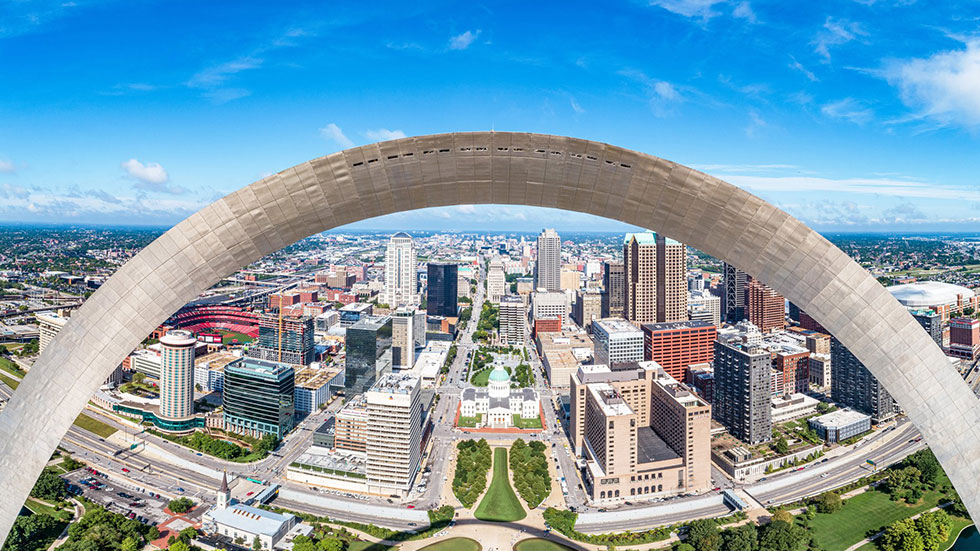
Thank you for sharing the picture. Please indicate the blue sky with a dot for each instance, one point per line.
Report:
(851, 115)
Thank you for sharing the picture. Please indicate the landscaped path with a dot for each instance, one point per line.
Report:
(878, 535)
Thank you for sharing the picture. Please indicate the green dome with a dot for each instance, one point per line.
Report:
(499, 374)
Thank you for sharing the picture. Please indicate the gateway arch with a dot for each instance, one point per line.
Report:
(479, 168)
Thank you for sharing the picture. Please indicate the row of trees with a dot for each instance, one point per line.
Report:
(226, 450)
(472, 464)
(918, 473)
(530, 469)
(29, 531)
(101, 530)
(782, 534)
(450, 357)
(926, 533)
(523, 375)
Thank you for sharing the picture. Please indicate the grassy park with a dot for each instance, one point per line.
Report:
(863, 512)
(470, 422)
(10, 367)
(532, 423)
(9, 381)
(538, 544)
(454, 544)
(500, 504)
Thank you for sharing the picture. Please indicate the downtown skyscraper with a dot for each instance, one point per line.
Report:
(441, 289)
(400, 276)
(655, 277)
(547, 269)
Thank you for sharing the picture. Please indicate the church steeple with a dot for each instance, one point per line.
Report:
(224, 494)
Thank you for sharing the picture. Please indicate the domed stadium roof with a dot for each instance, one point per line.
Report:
(401, 235)
(499, 374)
(923, 294)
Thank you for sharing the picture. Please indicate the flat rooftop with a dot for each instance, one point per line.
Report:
(650, 447)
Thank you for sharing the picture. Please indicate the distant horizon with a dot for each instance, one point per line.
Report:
(370, 230)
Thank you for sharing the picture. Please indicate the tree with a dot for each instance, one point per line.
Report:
(331, 544)
(187, 534)
(27, 530)
(781, 446)
(257, 544)
(179, 546)
(829, 502)
(741, 538)
(684, 547)
(129, 544)
(928, 466)
(934, 528)
(781, 536)
(49, 486)
(180, 505)
(901, 536)
(902, 479)
(703, 535)
(783, 516)
(138, 378)
(153, 533)
(303, 543)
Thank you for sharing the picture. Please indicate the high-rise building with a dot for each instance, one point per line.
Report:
(550, 304)
(641, 433)
(932, 322)
(48, 326)
(258, 397)
(587, 308)
(616, 342)
(764, 306)
(442, 289)
(964, 338)
(613, 289)
(704, 306)
(403, 333)
(571, 280)
(177, 374)
(655, 271)
(742, 390)
(677, 345)
(852, 385)
(512, 320)
(394, 434)
(401, 280)
(369, 354)
(496, 280)
(821, 373)
(735, 281)
(547, 268)
(287, 339)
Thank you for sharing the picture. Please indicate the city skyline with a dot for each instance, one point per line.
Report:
(863, 119)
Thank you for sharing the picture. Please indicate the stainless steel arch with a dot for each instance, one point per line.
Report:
(488, 167)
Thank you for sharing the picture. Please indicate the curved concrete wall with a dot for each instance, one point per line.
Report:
(487, 167)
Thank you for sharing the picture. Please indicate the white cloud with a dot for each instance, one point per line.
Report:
(834, 33)
(799, 67)
(944, 87)
(849, 109)
(744, 11)
(466, 209)
(150, 173)
(701, 9)
(383, 135)
(756, 123)
(216, 75)
(334, 133)
(873, 186)
(463, 41)
(6, 167)
(576, 107)
(663, 95)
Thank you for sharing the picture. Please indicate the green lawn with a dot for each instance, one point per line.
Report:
(481, 377)
(12, 383)
(538, 544)
(469, 421)
(10, 367)
(500, 503)
(863, 512)
(454, 544)
(532, 423)
(92, 425)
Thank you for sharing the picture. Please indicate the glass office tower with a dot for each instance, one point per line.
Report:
(368, 353)
(258, 397)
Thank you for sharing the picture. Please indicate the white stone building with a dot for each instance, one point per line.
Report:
(499, 403)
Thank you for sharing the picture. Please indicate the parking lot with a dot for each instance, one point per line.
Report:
(122, 498)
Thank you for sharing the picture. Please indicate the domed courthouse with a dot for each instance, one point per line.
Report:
(498, 403)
